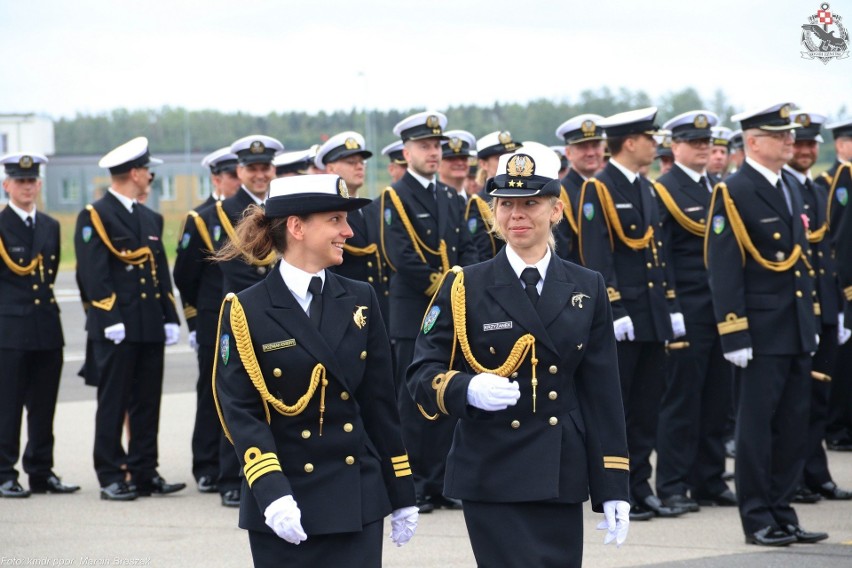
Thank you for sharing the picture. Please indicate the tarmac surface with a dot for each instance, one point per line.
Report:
(189, 529)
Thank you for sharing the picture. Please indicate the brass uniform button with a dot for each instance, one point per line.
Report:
(819, 253)
(350, 460)
(650, 284)
(35, 286)
(53, 257)
(552, 395)
(344, 395)
(276, 372)
(821, 271)
(369, 264)
(454, 249)
(141, 280)
(157, 295)
(798, 273)
(50, 271)
(514, 375)
(799, 293)
(347, 427)
(457, 229)
(306, 434)
(369, 278)
(776, 236)
(659, 243)
(52, 300)
(632, 227)
(516, 424)
(144, 295)
(363, 355)
(37, 301)
(309, 468)
(428, 231)
(384, 279)
(553, 421)
(649, 266)
(51, 286)
(553, 370)
(492, 350)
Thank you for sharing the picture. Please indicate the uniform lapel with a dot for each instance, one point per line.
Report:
(122, 214)
(40, 233)
(768, 192)
(689, 188)
(13, 224)
(443, 203)
(337, 306)
(555, 293)
(419, 193)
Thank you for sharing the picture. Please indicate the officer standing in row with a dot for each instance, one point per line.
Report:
(423, 234)
(123, 271)
(737, 155)
(664, 152)
(200, 284)
(762, 283)
(720, 141)
(584, 147)
(30, 331)
(489, 148)
(397, 165)
(697, 395)
(618, 237)
(295, 163)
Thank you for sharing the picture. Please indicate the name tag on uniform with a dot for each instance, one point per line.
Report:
(770, 220)
(691, 209)
(624, 206)
(423, 215)
(17, 249)
(279, 345)
(496, 325)
(153, 238)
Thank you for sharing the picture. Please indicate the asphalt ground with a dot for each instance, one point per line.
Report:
(190, 529)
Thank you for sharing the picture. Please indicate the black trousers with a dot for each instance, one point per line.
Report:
(839, 427)
(693, 412)
(816, 462)
(352, 550)
(31, 379)
(131, 382)
(229, 465)
(772, 426)
(426, 441)
(641, 366)
(207, 430)
(522, 535)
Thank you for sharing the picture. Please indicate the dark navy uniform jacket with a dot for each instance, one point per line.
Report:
(29, 314)
(636, 280)
(837, 182)
(137, 295)
(357, 470)
(771, 312)
(575, 441)
(433, 220)
(476, 211)
(566, 231)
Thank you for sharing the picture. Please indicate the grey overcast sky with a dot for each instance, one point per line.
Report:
(65, 57)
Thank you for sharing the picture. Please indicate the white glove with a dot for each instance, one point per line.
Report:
(193, 342)
(284, 517)
(843, 332)
(492, 392)
(616, 521)
(115, 333)
(678, 327)
(172, 333)
(623, 329)
(740, 357)
(403, 524)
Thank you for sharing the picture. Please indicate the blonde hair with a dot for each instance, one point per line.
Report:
(495, 230)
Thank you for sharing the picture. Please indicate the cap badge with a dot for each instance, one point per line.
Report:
(520, 166)
(588, 128)
(257, 147)
(26, 162)
(504, 137)
(455, 144)
(351, 144)
(803, 119)
(700, 121)
(342, 189)
(784, 111)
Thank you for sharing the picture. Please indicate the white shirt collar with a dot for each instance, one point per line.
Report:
(631, 176)
(518, 265)
(297, 280)
(253, 196)
(798, 175)
(696, 176)
(423, 181)
(23, 214)
(770, 176)
(126, 201)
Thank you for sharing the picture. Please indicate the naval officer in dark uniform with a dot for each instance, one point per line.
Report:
(699, 382)
(199, 281)
(764, 298)
(423, 234)
(584, 147)
(123, 271)
(304, 382)
(521, 350)
(397, 166)
(618, 235)
(30, 331)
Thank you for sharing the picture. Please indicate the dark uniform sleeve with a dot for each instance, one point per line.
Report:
(482, 239)
(665, 232)
(167, 296)
(468, 253)
(187, 270)
(93, 275)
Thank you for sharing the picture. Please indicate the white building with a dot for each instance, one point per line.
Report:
(26, 133)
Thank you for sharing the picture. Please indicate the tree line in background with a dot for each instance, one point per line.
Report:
(176, 130)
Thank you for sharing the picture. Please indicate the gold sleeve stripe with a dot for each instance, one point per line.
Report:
(106, 304)
(258, 473)
(400, 459)
(614, 295)
(617, 459)
(190, 312)
(403, 472)
(259, 464)
(610, 465)
(732, 324)
(820, 376)
(440, 383)
(847, 292)
(670, 295)
(817, 309)
(403, 465)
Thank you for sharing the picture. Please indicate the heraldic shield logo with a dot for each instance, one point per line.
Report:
(824, 36)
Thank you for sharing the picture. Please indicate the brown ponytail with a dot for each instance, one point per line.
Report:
(256, 236)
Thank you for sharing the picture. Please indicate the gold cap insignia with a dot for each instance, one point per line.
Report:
(359, 318)
(455, 144)
(700, 121)
(588, 128)
(257, 147)
(26, 162)
(803, 119)
(520, 166)
(504, 137)
(432, 121)
(342, 189)
(351, 144)
(784, 112)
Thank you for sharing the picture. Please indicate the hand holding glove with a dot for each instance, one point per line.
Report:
(623, 329)
(193, 341)
(740, 357)
(843, 332)
(678, 326)
(172, 333)
(492, 392)
(403, 524)
(115, 333)
(616, 521)
(285, 519)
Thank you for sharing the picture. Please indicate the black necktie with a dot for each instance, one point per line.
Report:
(431, 189)
(702, 181)
(638, 187)
(29, 222)
(531, 276)
(786, 195)
(315, 310)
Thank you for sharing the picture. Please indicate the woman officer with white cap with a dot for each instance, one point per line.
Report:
(305, 391)
(527, 362)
